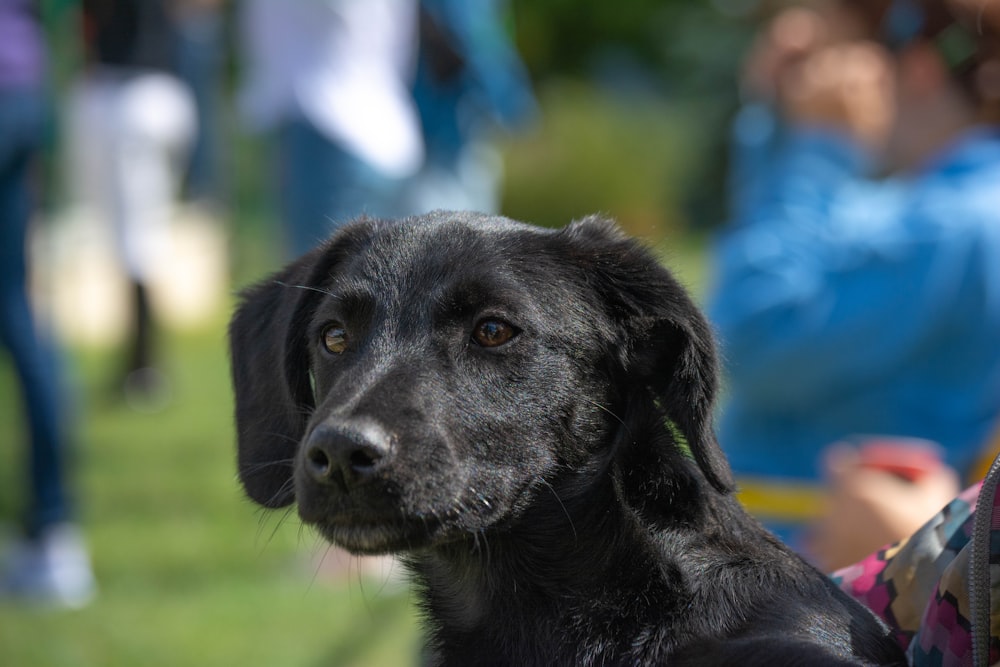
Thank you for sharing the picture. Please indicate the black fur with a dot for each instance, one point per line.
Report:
(560, 499)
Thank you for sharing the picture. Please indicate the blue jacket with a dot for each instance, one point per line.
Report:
(850, 306)
(489, 86)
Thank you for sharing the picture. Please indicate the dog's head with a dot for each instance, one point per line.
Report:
(411, 381)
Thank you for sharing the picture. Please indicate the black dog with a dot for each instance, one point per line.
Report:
(525, 414)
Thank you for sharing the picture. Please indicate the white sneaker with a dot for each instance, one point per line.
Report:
(52, 570)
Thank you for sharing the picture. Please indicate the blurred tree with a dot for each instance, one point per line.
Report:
(689, 44)
(687, 51)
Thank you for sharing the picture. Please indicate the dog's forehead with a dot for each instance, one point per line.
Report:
(425, 254)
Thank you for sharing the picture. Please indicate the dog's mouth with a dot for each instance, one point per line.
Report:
(363, 533)
(387, 515)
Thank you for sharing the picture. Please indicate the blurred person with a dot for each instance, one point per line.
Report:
(133, 121)
(931, 588)
(330, 80)
(849, 305)
(50, 563)
(878, 492)
(470, 84)
(200, 59)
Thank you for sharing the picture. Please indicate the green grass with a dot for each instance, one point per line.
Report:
(190, 573)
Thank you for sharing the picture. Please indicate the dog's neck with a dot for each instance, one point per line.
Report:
(543, 577)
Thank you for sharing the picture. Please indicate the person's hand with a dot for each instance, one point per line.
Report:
(784, 41)
(845, 86)
(869, 507)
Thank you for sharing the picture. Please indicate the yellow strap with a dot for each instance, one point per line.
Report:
(774, 499)
(986, 456)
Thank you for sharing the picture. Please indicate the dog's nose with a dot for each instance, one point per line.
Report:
(350, 454)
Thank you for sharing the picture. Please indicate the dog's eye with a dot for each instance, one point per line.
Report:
(335, 339)
(493, 333)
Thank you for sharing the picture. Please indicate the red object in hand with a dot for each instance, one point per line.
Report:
(908, 458)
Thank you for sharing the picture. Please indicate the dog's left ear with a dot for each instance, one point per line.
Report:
(270, 366)
(664, 342)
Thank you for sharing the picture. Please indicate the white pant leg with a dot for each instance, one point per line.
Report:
(130, 135)
(154, 128)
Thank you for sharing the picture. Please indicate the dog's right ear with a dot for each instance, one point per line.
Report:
(270, 369)
(662, 341)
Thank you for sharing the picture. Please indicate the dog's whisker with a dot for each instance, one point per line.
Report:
(385, 573)
(479, 496)
(476, 547)
(305, 532)
(358, 562)
(284, 514)
(264, 518)
(483, 549)
(304, 411)
(457, 508)
(283, 490)
(320, 560)
(258, 467)
(311, 288)
(611, 412)
(569, 518)
(475, 542)
(486, 548)
(282, 437)
(289, 512)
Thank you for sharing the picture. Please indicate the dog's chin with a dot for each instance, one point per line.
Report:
(375, 537)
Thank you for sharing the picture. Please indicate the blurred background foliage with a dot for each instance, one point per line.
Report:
(635, 98)
(656, 80)
(631, 79)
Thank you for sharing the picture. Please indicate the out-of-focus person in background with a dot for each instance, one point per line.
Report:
(470, 84)
(201, 55)
(850, 305)
(132, 122)
(49, 562)
(330, 80)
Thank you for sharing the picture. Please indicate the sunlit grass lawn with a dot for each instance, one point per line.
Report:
(189, 572)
